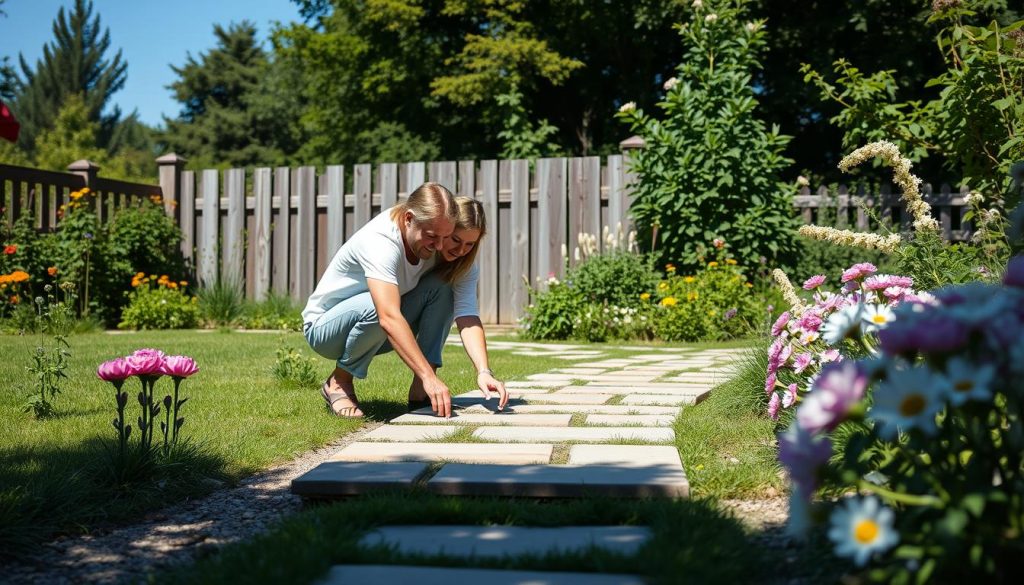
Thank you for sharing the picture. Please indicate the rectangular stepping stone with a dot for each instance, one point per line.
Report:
(556, 398)
(469, 418)
(668, 389)
(506, 541)
(410, 433)
(611, 378)
(626, 455)
(698, 378)
(560, 481)
(584, 409)
(658, 399)
(520, 454)
(339, 478)
(533, 384)
(471, 399)
(582, 434)
(550, 377)
(579, 370)
(391, 574)
(622, 420)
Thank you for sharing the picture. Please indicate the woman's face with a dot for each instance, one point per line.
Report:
(460, 243)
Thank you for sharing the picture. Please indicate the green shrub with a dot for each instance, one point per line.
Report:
(615, 278)
(159, 307)
(596, 322)
(221, 303)
(275, 312)
(294, 368)
(552, 313)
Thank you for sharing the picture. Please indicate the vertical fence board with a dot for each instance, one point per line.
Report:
(519, 266)
(415, 175)
(388, 185)
(363, 201)
(282, 192)
(576, 206)
(305, 242)
(444, 173)
(467, 179)
(618, 203)
(335, 209)
(233, 250)
(489, 250)
(187, 215)
(551, 217)
(504, 242)
(262, 192)
(211, 215)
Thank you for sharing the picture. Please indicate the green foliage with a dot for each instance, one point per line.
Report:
(523, 138)
(552, 312)
(974, 115)
(221, 303)
(159, 307)
(277, 311)
(615, 278)
(601, 322)
(292, 367)
(50, 358)
(715, 303)
(710, 168)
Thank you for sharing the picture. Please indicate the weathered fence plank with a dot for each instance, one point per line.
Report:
(363, 207)
(211, 215)
(187, 214)
(282, 220)
(335, 209)
(489, 251)
(388, 185)
(305, 244)
(519, 267)
(234, 226)
(262, 192)
(551, 217)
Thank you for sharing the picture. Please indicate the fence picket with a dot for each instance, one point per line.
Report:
(489, 251)
(551, 216)
(211, 216)
(467, 179)
(234, 227)
(444, 174)
(282, 193)
(335, 209)
(519, 268)
(363, 202)
(388, 185)
(305, 242)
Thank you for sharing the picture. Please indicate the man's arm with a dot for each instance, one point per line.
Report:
(473, 340)
(388, 303)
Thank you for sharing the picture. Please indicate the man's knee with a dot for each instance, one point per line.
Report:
(437, 289)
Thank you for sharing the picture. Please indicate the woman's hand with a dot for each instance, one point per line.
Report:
(488, 383)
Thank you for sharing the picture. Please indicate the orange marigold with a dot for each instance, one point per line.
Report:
(52, 271)
(19, 276)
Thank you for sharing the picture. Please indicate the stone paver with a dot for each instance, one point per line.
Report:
(583, 409)
(338, 478)
(464, 418)
(390, 575)
(560, 481)
(533, 384)
(409, 433)
(625, 420)
(505, 541)
(523, 453)
(597, 397)
(671, 389)
(659, 399)
(626, 455)
(582, 434)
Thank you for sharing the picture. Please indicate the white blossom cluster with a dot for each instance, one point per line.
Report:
(788, 292)
(866, 241)
(890, 153)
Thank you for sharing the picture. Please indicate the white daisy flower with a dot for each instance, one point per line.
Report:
(969, 381)
(876, 317)
(842, 324)
(909, 398)
(862, 527)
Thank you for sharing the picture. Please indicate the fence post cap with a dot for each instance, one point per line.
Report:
(171, 158)
(83, 165)
(632, 142)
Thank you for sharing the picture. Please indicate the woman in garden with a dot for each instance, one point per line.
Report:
(374, 297)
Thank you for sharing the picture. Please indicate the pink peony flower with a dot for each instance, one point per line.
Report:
(837, 389)
(895, 294)
(789, 398)
(777, 328)
(802, 361)
(830, 355)
(148, 352)
(858, 271)
(775, 350)
(814, 282)
(769, 383)
(114, 370)
(810, 322)
(773, 406)
(146, 364)
(179, 366)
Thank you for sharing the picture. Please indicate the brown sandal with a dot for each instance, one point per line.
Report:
(332, 397)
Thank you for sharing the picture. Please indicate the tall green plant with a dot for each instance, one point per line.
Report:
(710, 166)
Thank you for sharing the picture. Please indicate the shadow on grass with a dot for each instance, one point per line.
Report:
(79, 488)
(692, 540)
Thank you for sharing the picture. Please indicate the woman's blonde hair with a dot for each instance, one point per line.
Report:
(428, 202)
(470, 217)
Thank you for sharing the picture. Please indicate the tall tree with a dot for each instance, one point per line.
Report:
(73, 63)
(225, 117)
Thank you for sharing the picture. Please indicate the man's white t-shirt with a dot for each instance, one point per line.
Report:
(376, 251)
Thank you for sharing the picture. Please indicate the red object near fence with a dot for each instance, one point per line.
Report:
(9, 127)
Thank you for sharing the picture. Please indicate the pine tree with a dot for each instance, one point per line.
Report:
(73, 63)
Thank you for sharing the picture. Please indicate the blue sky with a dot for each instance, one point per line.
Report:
(152, 35)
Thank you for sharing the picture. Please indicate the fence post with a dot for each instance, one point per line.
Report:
(170, 166)
(88, 171)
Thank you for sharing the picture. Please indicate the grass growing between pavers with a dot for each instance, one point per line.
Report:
(692, 541)
(239, 419)
(726, 442)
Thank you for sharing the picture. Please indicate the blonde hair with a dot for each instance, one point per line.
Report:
(470, 217)
(428, 202)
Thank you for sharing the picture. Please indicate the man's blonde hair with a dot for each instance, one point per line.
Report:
(428, 202)
(470, 217)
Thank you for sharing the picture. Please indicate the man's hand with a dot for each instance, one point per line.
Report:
(488, 383)
(440, 397)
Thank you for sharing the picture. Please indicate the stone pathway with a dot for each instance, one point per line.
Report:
(598, 427)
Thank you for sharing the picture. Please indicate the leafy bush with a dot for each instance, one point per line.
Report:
(615, 278)
(709, 167)
(715, 303)
(221, 303)
(293, 367)
(596, 322)
(159, 304)
(552, 313)
(274, 312)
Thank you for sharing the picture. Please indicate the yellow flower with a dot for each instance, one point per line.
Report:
(183, 283)
(730, 262)
(689, 279)
(85, 191)
(692, 296)
(662, 285)
(712, 264)
(645, 296)
(712, 312)
(668, 302)
(748, 285)
(670, 267)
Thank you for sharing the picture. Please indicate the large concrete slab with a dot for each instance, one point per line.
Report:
(596, 397)
(409, 433)
(627, 455)
(560, 481)
(627, 420)
(578, 370)
(523, 453)
(339, 478)
(581, 434)
(392, 574)
(506, 541)
(533, 384)
(583, 409)
(469, 418)
(658, 399)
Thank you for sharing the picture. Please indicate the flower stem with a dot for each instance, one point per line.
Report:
(909, 499)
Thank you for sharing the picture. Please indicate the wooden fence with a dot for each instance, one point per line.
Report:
(277, 229)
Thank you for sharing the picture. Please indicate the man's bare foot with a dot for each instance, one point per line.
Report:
(339, 392)
(417, 395)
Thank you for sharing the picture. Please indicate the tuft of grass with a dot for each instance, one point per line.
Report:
(221, 303)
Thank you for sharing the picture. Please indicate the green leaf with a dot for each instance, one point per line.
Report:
(974, 504)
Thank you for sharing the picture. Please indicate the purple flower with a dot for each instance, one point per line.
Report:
(780, 323)
(730, 313)
(773, 406)
(774, 350)
(148, 352)
(801, 361)
(837, 389)
(803, 454)
(1014, 272)
(858, 271)
(179, 366)
(933, 333)
(114, 370)
(814, 282)
(810, 322)
(769, 383)
(830, 355)
(789, 398)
